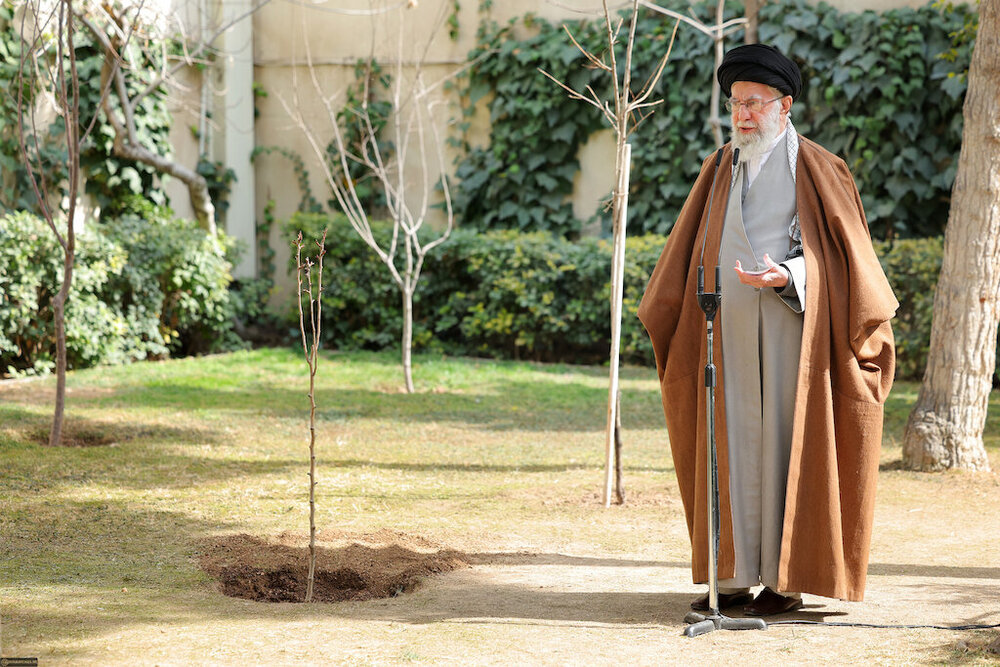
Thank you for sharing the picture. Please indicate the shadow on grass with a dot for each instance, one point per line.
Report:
(503, 406)
(125, 455)
(482, 467)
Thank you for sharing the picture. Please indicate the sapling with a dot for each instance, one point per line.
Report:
(310, 348)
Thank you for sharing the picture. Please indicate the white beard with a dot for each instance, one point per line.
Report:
(753, 146)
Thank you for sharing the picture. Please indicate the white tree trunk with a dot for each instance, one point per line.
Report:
(407, 342)
(945, 429)
(624, 162)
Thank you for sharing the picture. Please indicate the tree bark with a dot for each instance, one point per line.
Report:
(201, 200)
(945, 429)
(121, 116)
(752, 12)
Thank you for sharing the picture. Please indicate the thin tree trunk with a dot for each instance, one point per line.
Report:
(312, 483)
(619, 477)
(311, 337)
(714, 120)
(59, 315)
(752, 13)
(945, 429)
(69, 101)
(407, 341)
(64, 86)
(620, 213)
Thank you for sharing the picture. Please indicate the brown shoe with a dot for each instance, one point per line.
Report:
(769, 603)
(726, 600)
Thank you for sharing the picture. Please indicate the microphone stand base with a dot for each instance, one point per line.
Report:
(701, 624)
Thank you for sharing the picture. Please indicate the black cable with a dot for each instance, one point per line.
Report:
(877, 625)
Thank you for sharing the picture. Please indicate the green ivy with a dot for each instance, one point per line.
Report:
(370, 85)
(219, 179)
(875, 91)
(110, 180)
(524, 177)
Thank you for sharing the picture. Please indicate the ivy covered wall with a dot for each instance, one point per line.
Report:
(877, 91)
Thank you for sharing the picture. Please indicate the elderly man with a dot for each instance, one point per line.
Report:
(806, 353)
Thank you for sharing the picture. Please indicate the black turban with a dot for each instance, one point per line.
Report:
(759, 63)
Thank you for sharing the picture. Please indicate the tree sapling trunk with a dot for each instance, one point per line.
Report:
(310, 348)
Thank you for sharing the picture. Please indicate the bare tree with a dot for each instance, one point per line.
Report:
(408, 203)
(310, 348)
(718, 33)
(945, 429)
(628, 112)
(47, 69)
(121, 32)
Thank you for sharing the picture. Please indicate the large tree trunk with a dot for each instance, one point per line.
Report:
(945, 429)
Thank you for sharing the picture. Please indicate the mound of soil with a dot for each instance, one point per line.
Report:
(348, 567)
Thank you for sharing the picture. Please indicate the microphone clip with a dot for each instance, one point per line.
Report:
(709, 301)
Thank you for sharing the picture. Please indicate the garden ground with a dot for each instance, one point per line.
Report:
(484, 485)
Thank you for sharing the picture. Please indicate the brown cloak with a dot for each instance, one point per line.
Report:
(846, 367)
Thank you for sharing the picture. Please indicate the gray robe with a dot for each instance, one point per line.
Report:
(761, 340)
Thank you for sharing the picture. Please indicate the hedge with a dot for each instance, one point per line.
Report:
(143, 288)
(517, 295)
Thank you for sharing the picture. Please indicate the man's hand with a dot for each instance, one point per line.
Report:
(773, 276)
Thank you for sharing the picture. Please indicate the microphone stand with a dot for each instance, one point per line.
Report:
(700, 624)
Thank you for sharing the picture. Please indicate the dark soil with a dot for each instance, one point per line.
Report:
(348, 567)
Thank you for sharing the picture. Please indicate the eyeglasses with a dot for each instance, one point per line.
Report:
(753, 105)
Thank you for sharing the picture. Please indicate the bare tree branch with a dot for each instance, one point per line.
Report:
(711, 31)
(412, 127)
(587, 54)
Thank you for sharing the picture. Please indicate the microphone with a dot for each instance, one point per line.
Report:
(711, 197)
(709, 302)
(725, 215)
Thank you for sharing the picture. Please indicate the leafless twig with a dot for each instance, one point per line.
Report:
(310, 348)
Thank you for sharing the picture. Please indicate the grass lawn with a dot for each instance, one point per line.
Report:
(99, 543)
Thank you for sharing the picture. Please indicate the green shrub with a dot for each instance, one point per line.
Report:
(912, 266)
(534, 296)
(174, 287)
(501, 294)
(30, 273)
(142, 288)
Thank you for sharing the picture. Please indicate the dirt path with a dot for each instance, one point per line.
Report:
(566, 609)
(579, 606)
